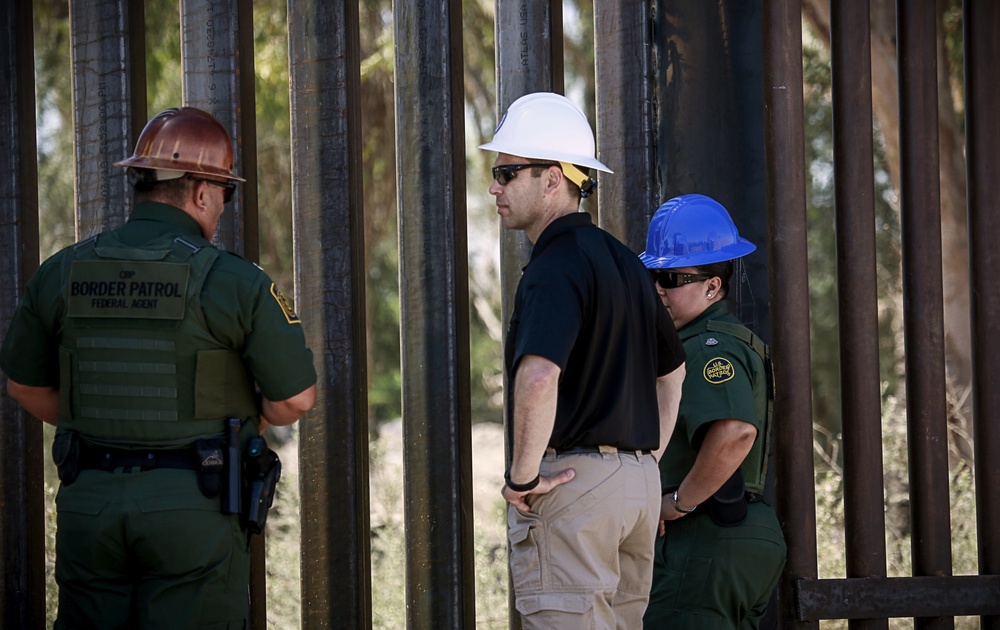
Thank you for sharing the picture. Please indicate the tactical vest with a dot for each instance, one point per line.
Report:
(754, 467)
(138, 365)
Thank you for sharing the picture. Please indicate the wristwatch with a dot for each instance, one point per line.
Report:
(677, 506)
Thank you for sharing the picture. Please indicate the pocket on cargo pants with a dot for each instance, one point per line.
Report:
(556, 611)
(523, 533)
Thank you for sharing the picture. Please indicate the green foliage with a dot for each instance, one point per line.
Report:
(954, 55)
(274, 161)
(54, 117)
(163, 56)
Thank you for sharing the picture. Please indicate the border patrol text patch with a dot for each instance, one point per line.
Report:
(127, 289)
(285, 307)
(718, 370)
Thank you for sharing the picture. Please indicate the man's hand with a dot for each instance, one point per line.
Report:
(545, 484)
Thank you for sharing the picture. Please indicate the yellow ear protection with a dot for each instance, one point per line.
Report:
(586, 183)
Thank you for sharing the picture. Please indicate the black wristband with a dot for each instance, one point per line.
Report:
(520, 487)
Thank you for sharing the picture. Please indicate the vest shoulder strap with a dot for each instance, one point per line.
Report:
(756, 475)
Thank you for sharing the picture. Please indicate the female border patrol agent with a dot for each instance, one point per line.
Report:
(144, 346)
(720, 551)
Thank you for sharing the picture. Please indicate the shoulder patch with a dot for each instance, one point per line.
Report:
(718, 370)
(285, 307)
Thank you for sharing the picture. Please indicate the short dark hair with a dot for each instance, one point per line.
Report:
(172, 191)
(724, 271)
(571, 186)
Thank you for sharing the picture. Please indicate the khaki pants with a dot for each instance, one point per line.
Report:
(583, 556)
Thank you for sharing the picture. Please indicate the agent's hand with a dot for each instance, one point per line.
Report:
(545, 485)
(667, 513)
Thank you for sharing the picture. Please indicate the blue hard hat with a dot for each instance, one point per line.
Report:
(692, 230)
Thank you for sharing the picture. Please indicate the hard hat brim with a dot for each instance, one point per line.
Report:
(541, 153)
(698, 259)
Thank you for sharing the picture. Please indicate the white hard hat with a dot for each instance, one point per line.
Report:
(546, 126)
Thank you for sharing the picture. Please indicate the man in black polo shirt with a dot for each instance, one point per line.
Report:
(595, 368)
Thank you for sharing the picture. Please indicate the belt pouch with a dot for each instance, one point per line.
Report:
(728, 506)
(66, 455)
(209, 458)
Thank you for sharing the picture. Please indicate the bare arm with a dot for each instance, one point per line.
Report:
(668, 397)
(536, 389)
(726, 445)
(287, 411)
(41, 402)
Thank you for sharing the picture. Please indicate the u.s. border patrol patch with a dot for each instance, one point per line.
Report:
(718, 370)
(285, 306)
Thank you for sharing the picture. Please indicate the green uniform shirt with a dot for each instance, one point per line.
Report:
(725, 379)
(242, 308)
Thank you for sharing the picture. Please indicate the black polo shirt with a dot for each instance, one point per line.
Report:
(586, 302)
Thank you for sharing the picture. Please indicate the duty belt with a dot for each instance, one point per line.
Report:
(103, 458)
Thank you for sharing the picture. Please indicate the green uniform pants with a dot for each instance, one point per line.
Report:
(147, 550)
(710, 577)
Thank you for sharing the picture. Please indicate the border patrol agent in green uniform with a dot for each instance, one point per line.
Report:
(145, 346)
(720, 551)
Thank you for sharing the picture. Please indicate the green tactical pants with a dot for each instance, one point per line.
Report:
(147, 550)
(710, 577)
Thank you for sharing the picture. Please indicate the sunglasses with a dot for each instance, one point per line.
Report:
(673, 279)
(229, 187)
(503, 174)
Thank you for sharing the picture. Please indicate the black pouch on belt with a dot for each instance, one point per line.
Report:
(209, 464)
(728, 506)
(66, 455)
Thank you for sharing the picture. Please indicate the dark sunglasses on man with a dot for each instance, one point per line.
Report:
(505, 173)
(674, 279)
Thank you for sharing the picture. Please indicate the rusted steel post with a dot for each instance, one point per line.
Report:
(328, 222)
(854, 191)
(981, 21)
(218, 75)
(109, 105)
(786, 211)
(920, 218)
(22, 550)
(434, 314)
(709, 134)
(529, 54)
(623, 32)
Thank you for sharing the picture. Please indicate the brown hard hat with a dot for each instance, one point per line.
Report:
(185, 139)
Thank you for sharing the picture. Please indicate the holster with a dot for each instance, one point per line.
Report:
(261, 471)
(66, 455)
(728, 506)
